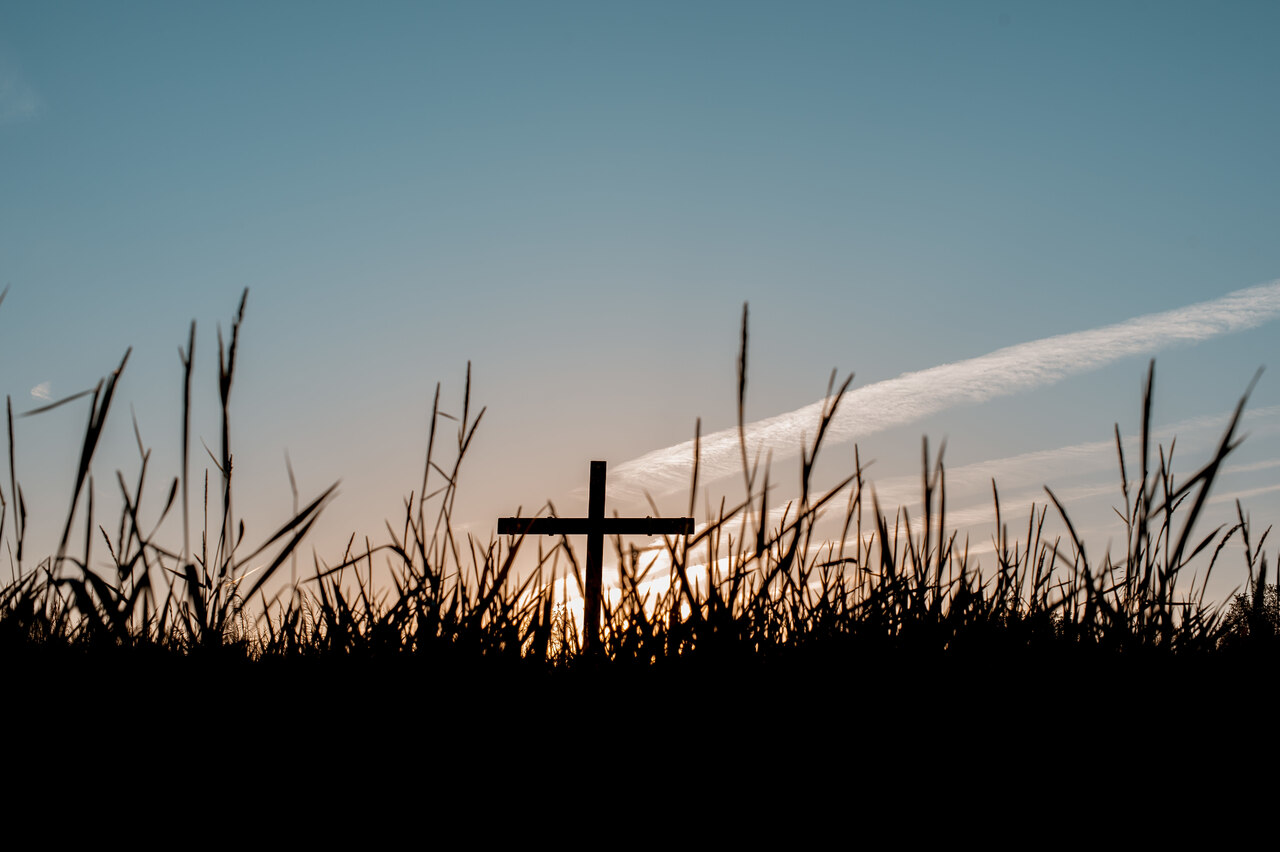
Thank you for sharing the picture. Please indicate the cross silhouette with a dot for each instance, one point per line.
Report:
(595, 527)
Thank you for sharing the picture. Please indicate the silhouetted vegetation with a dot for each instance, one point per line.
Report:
(754, 587)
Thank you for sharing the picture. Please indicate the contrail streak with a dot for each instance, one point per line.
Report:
(912, 396)
(1021, 477)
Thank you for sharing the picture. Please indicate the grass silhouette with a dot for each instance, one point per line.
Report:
(745, 592)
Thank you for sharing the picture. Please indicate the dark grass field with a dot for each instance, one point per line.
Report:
(890, 637)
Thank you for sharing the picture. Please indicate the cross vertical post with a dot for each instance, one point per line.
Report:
(595, 559)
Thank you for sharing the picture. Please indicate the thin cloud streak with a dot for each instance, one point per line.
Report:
(1021, 478)
(18, 101)
(913, 396)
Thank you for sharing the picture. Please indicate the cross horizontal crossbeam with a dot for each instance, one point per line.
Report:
(587, 526)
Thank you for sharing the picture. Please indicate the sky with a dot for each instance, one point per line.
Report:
(577, 199)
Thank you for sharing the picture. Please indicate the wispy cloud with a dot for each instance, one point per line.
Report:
(913, 396)
(42, 391)
(1021, 478)
(18, 101)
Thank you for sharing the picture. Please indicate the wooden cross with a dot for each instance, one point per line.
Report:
(595, 527)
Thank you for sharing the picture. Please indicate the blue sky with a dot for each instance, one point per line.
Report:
(578, 198)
